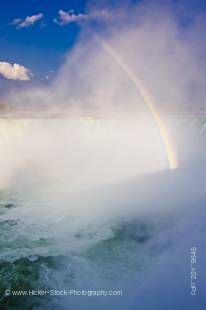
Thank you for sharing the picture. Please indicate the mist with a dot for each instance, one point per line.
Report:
(97, 162)
(92, 88)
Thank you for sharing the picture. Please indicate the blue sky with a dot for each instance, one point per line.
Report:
(42, 46)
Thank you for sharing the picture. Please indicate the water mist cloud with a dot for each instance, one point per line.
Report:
(154, 44)
(159, 50)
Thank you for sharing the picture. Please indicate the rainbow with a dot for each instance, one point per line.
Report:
(149, 102)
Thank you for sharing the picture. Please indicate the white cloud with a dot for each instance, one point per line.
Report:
(69, 17)
(28, 21)
(14, 72)
(65, 18)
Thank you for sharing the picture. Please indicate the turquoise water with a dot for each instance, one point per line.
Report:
(86, 256)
